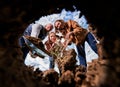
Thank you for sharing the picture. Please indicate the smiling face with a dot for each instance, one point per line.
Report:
(52, 37)
(57, 24)
(60, 27)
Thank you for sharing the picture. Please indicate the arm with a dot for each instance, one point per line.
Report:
(36, 28)
(68, 39)
(74, 26)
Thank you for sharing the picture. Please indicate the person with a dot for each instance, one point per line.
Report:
(35, 30)
(50, 47)
(93, 30)
(99, 39)
(36, 51)
(76, 34)
(40, 31)
(24, 49)
(49, 44)
(54, 44)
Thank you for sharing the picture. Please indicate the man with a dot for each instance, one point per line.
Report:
(34, 30)
(73, 32)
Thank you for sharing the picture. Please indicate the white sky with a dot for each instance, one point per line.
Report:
(66, 15)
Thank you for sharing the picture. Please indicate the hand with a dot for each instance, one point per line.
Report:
(68, 35)
(32, 55)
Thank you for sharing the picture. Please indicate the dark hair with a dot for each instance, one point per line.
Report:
(93, 26)
(63, 25)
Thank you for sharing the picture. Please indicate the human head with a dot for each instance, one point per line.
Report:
(48, 27)
(52, 37)
(60, 26)
(92, 29)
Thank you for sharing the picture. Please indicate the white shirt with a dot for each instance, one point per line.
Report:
(35, 30)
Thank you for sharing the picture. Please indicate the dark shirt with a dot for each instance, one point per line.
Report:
(43, 33)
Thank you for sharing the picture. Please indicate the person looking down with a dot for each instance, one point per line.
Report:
(73, 32)
(34, 30)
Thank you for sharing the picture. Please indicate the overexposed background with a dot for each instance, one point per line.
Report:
(65, 15)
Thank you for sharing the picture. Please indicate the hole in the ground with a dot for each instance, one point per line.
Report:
(100, 73)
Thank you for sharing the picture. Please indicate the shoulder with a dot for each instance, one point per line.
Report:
(47, 42)
(37, 26)
(71, 22)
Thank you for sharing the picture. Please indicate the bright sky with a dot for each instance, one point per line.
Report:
(66, 15)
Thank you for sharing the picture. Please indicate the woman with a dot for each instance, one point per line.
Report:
(76, 34)
(51, 41)
(53, 44)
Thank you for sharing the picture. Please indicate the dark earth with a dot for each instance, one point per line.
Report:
(16, 15)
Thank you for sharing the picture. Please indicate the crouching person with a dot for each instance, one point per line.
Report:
(77, 35)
